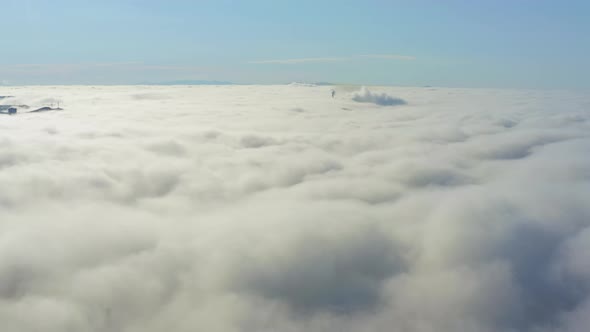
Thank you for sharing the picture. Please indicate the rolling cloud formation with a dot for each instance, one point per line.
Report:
(251, 208)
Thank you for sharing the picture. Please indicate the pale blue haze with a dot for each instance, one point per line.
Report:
(475, 43)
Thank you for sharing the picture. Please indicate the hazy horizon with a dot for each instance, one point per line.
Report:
(311, 84)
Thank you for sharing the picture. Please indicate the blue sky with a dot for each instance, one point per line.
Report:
(463, 43)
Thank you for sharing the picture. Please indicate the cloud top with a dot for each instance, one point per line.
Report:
(274, 208)
(382, 99)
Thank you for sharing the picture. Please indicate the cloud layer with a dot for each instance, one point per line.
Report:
(204, 208)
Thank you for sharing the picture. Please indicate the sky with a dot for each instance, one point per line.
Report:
(454, 43)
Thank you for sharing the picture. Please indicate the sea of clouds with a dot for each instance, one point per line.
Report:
(278, 208)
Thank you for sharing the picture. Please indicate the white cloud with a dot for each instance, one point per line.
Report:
(382, 99)
(300, 60)
(335, 59)
(203, 208)
(389, 56)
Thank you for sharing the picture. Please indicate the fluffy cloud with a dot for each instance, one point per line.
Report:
(201, 208)
(383, 99)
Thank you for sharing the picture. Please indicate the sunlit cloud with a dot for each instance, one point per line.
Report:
(280, 208)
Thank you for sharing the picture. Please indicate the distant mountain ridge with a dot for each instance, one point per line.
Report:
(189, 82)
